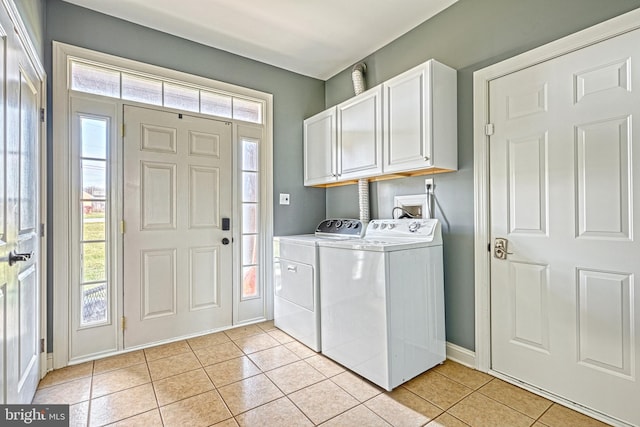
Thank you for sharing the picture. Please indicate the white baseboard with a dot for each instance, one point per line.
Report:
(461, 355)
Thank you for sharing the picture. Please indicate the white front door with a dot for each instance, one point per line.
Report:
(565, 193)
(177, 194)
(19, 223)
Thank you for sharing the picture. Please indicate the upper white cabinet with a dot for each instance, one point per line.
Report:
(360, 135)
(320, 147)
(420, 119)
(345, 142)
(405, 126)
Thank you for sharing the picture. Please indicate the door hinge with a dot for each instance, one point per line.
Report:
(488, 129)
(123, 322)
(42, 113)
(123, 130)
(122, 227)
(41, 345)
(41, 230)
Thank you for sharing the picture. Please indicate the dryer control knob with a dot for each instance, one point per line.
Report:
(414, 226)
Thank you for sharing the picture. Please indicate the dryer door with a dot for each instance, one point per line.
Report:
(295, 283)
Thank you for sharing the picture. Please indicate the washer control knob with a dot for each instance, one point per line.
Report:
(375, 225)
(414, 226)
(392, 226)
(383, 226)
(338, 224)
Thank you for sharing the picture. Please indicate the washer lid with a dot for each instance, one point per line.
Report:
(377, 245)
(300, 239)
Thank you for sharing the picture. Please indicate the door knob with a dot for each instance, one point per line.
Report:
(14, 257)
(225, 241)
(500, 248)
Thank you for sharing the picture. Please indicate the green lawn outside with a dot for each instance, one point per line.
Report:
(94, 253)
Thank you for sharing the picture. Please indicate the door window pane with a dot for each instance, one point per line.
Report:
(215, 104)
(94, 137)
(249, 218)
(94, 179)
(93, 221)
(181, 97)
(249, 155)
(91, 79)
(94, 260)
(93, 303)
(249, 187)
(141, 89)
(249, 250)
(249, 282)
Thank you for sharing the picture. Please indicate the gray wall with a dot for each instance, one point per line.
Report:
(468, 36)
(33, 16)
(295, 97)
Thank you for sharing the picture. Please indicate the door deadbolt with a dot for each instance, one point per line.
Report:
(500, 248)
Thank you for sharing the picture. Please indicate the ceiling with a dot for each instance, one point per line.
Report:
(317, 38)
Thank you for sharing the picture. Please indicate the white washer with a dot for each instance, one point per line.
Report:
(382, 300)
(296, 278)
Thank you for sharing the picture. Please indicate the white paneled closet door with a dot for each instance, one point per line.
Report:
(177, 257)
(565, 191)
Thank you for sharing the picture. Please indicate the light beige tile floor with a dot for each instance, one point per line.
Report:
(259, 376)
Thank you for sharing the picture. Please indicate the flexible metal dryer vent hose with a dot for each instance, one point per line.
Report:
(363, 199)
(357, 76)
(359, 86)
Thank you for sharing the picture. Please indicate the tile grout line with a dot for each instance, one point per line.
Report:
(514, 409)
(451, 415)
(298, 408)
(153, 388)
(93, 364)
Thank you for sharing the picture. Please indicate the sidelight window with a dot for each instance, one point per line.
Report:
(94, 213)
(250, 217)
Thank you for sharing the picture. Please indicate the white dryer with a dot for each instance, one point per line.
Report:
(382, 300)
(296, 278)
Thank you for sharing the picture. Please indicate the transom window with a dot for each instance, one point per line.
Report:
(133, 86)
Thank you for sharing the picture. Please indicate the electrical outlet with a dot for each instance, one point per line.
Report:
(429, 186)
(284, 198)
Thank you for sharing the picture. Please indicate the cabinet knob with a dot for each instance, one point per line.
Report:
(426, 158)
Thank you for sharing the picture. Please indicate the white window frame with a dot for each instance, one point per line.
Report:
(62, 203)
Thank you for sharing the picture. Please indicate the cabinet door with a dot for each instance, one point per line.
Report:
(360, 135)
(407, 119)
(320, 148)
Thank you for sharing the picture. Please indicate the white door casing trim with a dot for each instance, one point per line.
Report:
(61, 173)
(482, 256)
